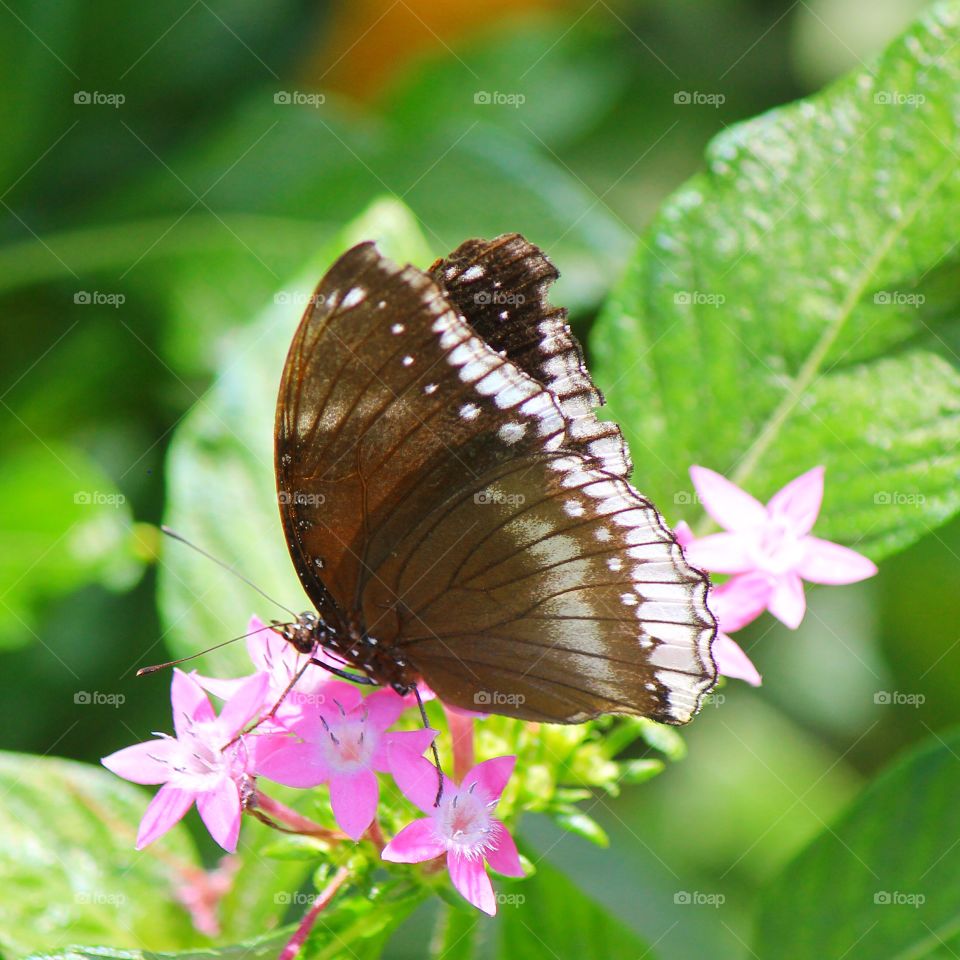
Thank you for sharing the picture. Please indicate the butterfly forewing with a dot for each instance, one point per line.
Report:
(467, 514)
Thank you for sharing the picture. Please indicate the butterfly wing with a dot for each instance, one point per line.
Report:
(461, 523)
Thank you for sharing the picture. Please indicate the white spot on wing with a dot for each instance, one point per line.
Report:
(353, 297)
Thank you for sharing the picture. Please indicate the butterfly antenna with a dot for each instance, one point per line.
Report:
(143, 671)
(433, 748)
(176, 536)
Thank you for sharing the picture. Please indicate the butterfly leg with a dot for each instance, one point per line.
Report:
(344, 674)
(433, 748)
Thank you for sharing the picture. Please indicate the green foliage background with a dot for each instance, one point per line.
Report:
(763, 285)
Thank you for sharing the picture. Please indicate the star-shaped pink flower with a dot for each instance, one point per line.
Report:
(463, 826)
(771, 544)
(196, 765)
(342, 740)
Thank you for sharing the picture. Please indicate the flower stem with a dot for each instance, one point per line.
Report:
(310, 917)
(455, 934)
(296, 821)
(461, 733)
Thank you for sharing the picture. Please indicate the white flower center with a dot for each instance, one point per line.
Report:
(349, 745)
(775, 547)
(201, 763)
(464, 822)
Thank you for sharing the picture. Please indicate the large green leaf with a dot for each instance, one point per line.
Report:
(883, 882)
(548, 916)
(62, 528)
(792, 304)
(221, 488)
(68, 867)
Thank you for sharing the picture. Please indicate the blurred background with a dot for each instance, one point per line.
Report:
(166, 168)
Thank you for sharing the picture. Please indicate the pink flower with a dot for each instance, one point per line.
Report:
(462, 826)
(202, 891)
(342, 741)
(773, 542)
(194, 766)
(279, 660)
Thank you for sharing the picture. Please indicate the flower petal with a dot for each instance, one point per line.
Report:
(383, 708)
(147, 762)
(740, 600)
(827, 562)
(264, 645)
(491, 776)
(339, 699)
(470, 878)
(416, 741)
(731, 507)
(415, 776)
(731, 661)
(502, 854)
(683, 533)
(188, 701)
(787, 602)
(220, 811)
(721, 553)
(799, 501)
(223, 689)
(354, 800)
(165, 810)
(416, 842)
(290, 762)
(245, 704)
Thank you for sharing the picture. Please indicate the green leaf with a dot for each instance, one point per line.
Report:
(68, 866)
(548, 916)
(576, 821)
(882, 882)
(221, 487)
(70, 527)
(263, 948)
(777, 304)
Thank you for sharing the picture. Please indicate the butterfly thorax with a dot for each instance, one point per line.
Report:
(355, 646)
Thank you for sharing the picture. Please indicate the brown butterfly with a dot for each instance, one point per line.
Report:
(457, 513)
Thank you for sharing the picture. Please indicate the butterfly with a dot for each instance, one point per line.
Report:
(456, 511)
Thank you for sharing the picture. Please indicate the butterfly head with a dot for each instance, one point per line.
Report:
(304, 633)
